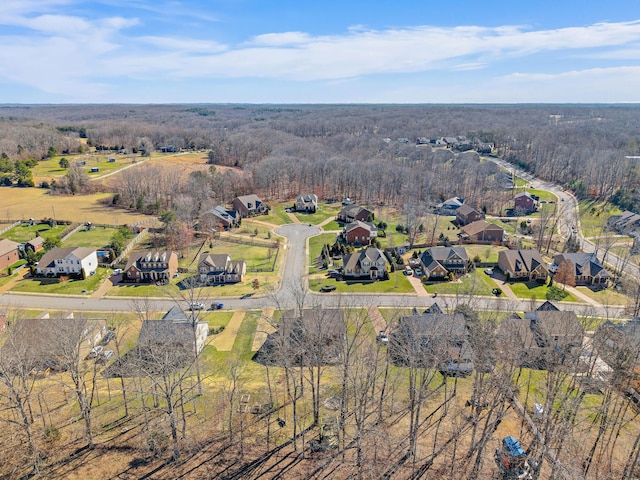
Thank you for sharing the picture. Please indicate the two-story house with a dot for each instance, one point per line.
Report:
(151, 266)
(219, 269)
(587, 268)
(359, 232)
(366, 264)
(523, 265)
(438, 262)
(9, 253)
(466, 215)
(306, 203)
(351, 213)
(68, 261)
(525, 202)
(249, 206)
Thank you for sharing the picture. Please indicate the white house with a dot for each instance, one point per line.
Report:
(68, 261)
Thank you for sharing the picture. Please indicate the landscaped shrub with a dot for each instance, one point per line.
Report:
(555, 293)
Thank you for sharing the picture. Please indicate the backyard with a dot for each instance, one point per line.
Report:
(97, 237)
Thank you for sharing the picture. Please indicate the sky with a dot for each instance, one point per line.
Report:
(328, 51)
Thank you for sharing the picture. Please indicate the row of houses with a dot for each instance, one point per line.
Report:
(524, 203)
(439, 262)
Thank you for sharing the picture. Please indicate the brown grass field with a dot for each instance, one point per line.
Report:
(24, 203)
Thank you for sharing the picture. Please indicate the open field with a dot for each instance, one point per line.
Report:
(24, 203)
(594, 216)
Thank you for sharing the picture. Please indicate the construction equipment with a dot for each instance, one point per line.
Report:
(512, 460)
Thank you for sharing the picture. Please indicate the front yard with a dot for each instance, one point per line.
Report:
(72, 286)
(397, 283)
(536, 290)
(473, 283)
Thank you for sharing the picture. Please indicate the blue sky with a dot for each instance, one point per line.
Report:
(282, 51)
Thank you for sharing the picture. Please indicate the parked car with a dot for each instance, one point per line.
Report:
(108, 337)
(106, 355)
(117, 271)
(334, 273)
(418, 272)
(488, 271)
(95, 351)
(216, 306)
(383, 338)
(197, 306)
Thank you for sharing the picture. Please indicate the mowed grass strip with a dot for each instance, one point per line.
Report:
(474, 283)
(397, 283)
(72, 286)
(264, 328)
(224, 342)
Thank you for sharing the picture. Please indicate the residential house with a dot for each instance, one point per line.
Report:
(221, 218)
(359, 232)
(627, 222)
(449, 206)
(525, 202)
(151, 266)
(370, 263)
(38, 344)
(9, 253)
(174, 329)
(312, 337)
(306, 203)
(523, 265)
(422, 141)
(541, 339)
(216, 269)
(588, 269)
(351, 213)
(249, 206)
(35, 244)
(438, 341)
(481, 231)
(466, 215)
(68, 261)
(619, 344)
(438, 262)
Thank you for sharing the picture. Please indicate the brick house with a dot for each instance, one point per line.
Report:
(151, 266)
(351, 213)
(359, 232)
(466, 215)
(525, 202)
(9, 253)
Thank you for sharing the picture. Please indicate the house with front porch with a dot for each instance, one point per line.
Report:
(587, 268)
(151, 266)
(368, 264)
(523, 265)
(215, 269)
(438, 262)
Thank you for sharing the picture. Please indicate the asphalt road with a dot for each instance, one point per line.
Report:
(294, 292)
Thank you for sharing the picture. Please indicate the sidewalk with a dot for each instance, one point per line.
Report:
(15, 279)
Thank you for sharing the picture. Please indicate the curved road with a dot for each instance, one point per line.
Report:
(294, 292)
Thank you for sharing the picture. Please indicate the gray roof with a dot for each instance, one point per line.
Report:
(585, 263)
(48, 258)
(351, 260)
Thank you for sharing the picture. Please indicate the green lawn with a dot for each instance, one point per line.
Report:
(50, 167)
(256, 257)
(606, 296)
(23, 233)
(323, 212)
(315, 247)
(487, 253)
(277, 215)
(97, 237)
(474, 283)
(333, 225)
(535, 290)
(248, 230)
(397, 283)
(68, 287)
(594, 216)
